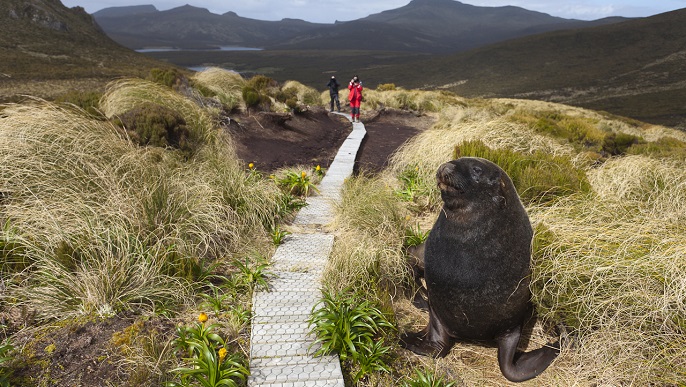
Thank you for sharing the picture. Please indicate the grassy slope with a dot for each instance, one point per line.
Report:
(607, 261)
(48, 48)
(633, 68)
(95, 228)
(619, 68)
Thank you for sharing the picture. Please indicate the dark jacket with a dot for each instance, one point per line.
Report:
(333, 86)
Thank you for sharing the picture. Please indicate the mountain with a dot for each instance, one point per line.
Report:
(43, 40)
(192, 28)
(438, 26)
(634, 68)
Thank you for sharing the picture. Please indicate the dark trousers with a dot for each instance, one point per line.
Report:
(334, 97)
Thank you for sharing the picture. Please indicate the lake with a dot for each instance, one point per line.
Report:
(220, 48)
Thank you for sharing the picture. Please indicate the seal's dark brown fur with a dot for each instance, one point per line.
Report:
(477, 267)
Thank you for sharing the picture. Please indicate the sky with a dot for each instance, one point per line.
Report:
(328, 11)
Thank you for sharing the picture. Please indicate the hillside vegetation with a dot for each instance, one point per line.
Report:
(48, 49)
(121, 223)
(122, 226)
(631, 68)
(605, 197)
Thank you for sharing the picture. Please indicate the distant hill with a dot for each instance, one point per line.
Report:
(192, 28)
(634, 68)
(421, 26)
(42, 40)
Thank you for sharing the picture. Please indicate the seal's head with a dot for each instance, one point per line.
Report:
(471, 181)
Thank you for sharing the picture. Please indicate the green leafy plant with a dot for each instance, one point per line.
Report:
(297, 184)
(414, 236)
(6, 357)
(351, 327)
(318, 170)
(216, 299)
(278, 235)
(426, 379)
(255, 98)
(373, 359)
(253, 275)
(410, 184)
(290, 203)
(209, 362)
(150, 124)
(211, 368)
(200, 332)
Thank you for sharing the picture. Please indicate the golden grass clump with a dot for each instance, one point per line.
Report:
(368, 238)
(305, 94)
(109, 225)
(226, 84)
(614, 272)
(413, 100)
(125, 94)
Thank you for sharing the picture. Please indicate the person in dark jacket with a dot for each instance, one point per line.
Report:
(333, 92)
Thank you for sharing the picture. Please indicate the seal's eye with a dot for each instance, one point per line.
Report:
(476, 173)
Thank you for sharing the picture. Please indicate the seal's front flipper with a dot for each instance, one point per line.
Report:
(433, 341)
(521, 366)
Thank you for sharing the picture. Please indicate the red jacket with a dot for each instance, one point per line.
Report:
(355, 92)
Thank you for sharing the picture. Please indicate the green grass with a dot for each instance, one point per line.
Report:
(538, 176)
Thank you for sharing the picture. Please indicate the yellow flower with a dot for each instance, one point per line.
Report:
(303, 174)
(222, 354)
(272, 177)
(408, 217)
(202, 317)
(318, 168)
(251, 165)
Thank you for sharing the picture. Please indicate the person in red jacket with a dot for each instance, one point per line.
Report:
(355, 98)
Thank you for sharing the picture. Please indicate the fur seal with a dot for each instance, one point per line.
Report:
(477, 267)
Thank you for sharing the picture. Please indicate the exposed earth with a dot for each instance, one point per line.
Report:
(276, 140)
(80, 353)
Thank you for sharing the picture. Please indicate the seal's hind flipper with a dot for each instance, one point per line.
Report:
(520, 366)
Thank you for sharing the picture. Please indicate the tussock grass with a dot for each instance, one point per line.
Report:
(227, 85)
(459, 124)
(612, 268)
(537, 176)
(608, 260)
(305, 94)
(413, 100)
(125, 94)
(111, 226)
(367, 252)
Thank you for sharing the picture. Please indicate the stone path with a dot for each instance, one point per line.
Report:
(280, 344)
